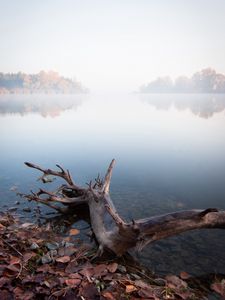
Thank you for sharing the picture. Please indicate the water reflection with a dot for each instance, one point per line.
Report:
(202, 105)
(45, 105)
(168, 159)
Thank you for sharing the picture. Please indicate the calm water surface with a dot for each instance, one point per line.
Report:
(170, 153)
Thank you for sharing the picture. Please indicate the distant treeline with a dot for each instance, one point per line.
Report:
(43, 82)
(205, 81)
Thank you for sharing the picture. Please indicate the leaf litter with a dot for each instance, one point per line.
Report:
(38, 263)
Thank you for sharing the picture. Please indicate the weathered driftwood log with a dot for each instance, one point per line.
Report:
(110, 230)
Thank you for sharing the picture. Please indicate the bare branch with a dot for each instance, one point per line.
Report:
(110, 230)
(106, 185)
(159, 227)
(63, 174)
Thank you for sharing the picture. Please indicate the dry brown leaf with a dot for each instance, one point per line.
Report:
(108, 295)
(218, 288)
(130, 288)
(74, 231)
(75, 275)
(72, 282)
(63, 259)
(72, 267)
(175, 282)
(184, 275)
(27, 256)
(14, 260)
(100, 270)
(112, 267)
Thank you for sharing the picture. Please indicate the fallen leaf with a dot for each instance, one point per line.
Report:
(14, 260)
(184, 275)
(130, 288)
(175, 282)
(100, 270)
(72, 282)
(108, 295)
(12, 270)
(89, 291)
(27, 225)
(3, 281)
(112, 267)
(72, 267)
(74, 231)
(218, 288)
(27, 256)
(63, 259)
(75, 275)
(43, 268)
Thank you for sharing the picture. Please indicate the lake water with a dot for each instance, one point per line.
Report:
(169, 149)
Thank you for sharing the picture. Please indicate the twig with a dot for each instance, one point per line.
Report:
(4, 241)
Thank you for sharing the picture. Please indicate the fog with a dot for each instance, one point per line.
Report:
(112, 45)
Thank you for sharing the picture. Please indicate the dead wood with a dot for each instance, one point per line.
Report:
(111, 231)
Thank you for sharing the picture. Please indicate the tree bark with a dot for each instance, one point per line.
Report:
(111, 231)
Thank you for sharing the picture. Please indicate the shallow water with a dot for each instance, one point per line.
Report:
(170, 153)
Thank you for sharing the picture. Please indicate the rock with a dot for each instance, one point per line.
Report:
(52, 246)
(160, 281)
(135, 276)
(46, 259)
(17, 202)
(34, 246)
(122, 269)
(27, 209)
(13, 188)
(68, 244)
(12, 209)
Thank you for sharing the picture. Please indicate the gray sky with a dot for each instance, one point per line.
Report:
(112, 45)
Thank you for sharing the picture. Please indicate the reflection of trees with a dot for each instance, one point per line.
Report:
(50, 105)
(202, 105)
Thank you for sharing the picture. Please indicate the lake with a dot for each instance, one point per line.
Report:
(169, 151)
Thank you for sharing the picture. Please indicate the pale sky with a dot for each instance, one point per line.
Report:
(112, 45)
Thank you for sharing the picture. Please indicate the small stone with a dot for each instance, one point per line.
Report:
(122, 269)
(160, 281)
(53, 253)
(17, 202)
(52, 246)
(27, 209)
(46, 259)
(68, 244)
(12, 209)
(34, 246)
(13, 188)
(135, 276)
(62, 243)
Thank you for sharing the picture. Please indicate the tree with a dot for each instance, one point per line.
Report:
(110, 230)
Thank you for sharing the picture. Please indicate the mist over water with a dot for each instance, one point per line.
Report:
(169, 151)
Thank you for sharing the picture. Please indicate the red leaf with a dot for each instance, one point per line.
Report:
(14, 260)
(184, 275)
(72, 282)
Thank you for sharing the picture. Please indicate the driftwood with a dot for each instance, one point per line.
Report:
(111, 231)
